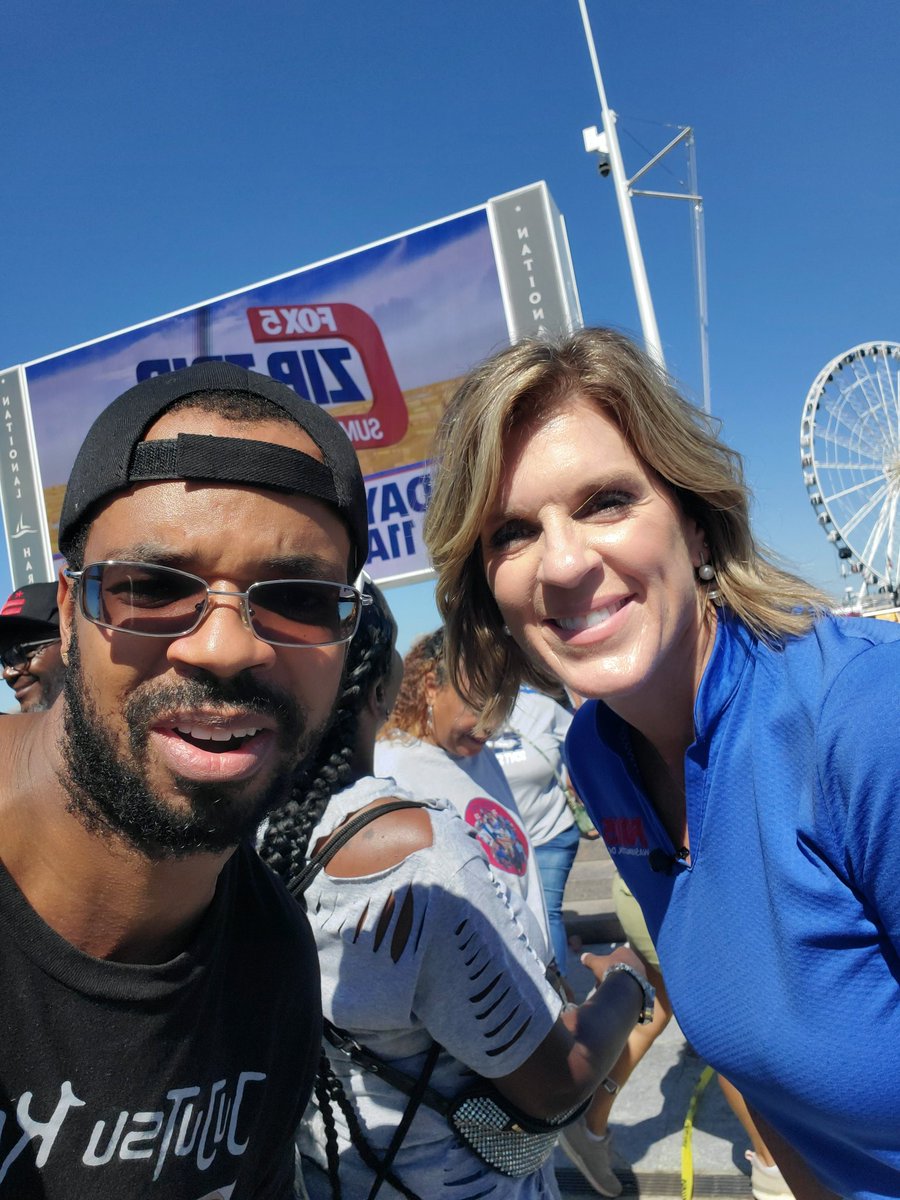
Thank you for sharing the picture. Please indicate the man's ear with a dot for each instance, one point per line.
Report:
(375, 703)
(65, 599)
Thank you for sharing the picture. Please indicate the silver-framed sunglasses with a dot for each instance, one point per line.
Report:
(18, 657)
(150, 600)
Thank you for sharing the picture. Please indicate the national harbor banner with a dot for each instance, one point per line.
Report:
(379, 337)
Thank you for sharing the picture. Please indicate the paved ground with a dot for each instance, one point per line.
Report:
(649, 1115)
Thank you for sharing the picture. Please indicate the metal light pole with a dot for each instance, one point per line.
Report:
(609, 144)
(605, 143)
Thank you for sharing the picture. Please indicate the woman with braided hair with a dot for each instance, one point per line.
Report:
(422, 954)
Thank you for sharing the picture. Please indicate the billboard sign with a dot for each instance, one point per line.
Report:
(379, 337)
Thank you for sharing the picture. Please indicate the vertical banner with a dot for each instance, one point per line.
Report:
(533, 260)
(378, 337)
(24, 518)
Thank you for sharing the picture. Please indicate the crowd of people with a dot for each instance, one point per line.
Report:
(282, 912)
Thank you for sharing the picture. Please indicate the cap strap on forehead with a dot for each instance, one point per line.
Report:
(116, 453)
(232, 460)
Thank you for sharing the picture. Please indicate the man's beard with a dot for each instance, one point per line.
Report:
(112, 796)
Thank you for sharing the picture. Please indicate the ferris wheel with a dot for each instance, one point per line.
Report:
(850, 453)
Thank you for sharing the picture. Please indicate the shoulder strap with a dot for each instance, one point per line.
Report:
(341, 1040)
(415, 1099)
(304, 877)
(557, 773)
(417, 1088)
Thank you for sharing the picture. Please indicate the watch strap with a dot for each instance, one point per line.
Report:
(647, 988)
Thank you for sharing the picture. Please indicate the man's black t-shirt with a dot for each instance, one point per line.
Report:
(184, 1080)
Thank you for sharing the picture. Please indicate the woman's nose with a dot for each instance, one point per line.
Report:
(566, 554)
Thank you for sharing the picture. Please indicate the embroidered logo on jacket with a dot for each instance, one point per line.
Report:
(624, 835)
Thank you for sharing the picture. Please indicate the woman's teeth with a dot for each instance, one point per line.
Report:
(598, 617)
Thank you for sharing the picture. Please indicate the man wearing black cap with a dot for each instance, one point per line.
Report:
(161, 1009)
(29, 646)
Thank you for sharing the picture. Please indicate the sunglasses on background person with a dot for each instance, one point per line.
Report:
(155, 601)
(18, 657)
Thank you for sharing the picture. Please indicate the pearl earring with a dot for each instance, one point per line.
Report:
(706, 573)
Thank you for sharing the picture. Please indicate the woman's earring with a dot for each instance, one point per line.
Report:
(506, 631)
(429, 719)
(706, 573)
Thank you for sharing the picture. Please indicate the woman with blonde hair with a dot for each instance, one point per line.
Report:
(738, 754)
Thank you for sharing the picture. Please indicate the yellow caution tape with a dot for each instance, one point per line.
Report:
(687, 1153)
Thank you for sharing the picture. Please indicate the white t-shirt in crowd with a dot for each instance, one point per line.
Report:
(529, 748)
(478, 790)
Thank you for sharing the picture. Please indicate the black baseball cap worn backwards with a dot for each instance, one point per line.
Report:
(114, 455)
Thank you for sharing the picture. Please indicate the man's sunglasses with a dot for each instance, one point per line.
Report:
(18, 658)
(155, 601)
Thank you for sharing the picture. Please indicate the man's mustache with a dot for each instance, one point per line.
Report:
(151, 701)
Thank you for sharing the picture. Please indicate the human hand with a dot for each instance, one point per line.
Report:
(599, 964)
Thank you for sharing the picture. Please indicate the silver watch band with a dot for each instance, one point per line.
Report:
(649, 992)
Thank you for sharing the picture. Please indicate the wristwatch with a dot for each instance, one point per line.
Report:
(648, 990)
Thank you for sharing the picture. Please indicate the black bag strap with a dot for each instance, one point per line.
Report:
(304, 877)
(407, 1084)
(297, 886)
(412, 1107)
(332, 1092)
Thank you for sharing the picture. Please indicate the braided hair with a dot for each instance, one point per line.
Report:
(284, 844)
(410, 712)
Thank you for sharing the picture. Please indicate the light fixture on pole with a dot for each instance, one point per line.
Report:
(605, 144)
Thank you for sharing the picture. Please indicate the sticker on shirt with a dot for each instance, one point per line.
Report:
(503, 840)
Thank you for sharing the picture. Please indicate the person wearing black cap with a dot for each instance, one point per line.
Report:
(29, 646)
(162, 1016)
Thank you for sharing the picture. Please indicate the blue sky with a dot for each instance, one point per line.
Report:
(155, 155)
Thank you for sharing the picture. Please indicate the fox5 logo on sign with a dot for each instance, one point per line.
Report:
(340, 361)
